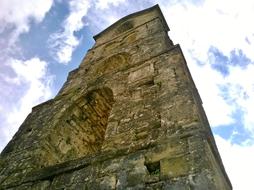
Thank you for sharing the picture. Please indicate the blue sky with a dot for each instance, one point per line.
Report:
(42, 40)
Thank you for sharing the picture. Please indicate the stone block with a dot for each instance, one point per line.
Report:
(142, 75)
(108, 183)
(174, 167)
(168, 150)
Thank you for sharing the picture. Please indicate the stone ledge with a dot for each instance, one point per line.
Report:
(49, 173)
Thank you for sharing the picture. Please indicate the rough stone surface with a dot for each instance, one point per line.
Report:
(129, 117)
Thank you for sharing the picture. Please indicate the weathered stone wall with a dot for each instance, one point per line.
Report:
(129, 117)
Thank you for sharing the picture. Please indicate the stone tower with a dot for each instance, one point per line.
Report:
(130, 117)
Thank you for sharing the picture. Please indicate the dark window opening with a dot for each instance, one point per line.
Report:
(153, 168)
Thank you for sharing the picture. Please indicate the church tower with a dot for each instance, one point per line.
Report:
(129, 117)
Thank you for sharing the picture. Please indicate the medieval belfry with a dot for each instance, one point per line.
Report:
(130, 117)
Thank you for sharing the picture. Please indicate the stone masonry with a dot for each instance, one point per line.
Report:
(130, 117)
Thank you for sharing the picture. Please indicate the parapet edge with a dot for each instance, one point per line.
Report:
(155, 7)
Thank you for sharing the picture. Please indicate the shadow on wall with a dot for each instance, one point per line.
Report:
(82, 127)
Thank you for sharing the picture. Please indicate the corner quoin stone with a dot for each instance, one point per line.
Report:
(129, 117)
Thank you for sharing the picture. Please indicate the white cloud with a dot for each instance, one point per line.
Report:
(31, 82)
(19, 13)
(207, 80)
(23, 83)
(222, 24)
(238, 162)
(63, 43)
(241, 90)
(105, 4)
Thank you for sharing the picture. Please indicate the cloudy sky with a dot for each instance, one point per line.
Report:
(42, 40)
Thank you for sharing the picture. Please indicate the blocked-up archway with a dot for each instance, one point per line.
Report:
(81, 128)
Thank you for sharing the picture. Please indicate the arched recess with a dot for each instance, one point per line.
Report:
(113, 63)
(81, 128)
